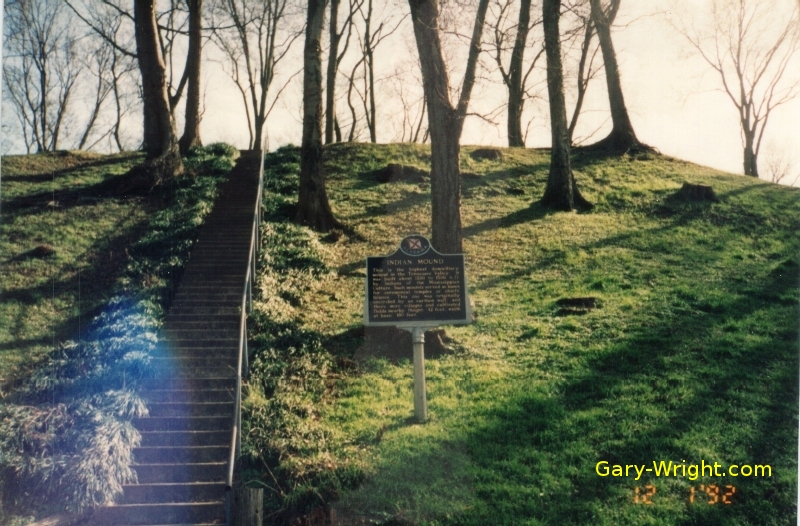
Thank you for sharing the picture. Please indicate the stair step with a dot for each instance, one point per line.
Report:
(182, 357)
(217, 277)
(167, 373)
(200, 333)
(181, 463)
(184, 354)
(206, 302)
(198, 408)
(220, 255)
(181, 454)
(172, 492)
(202, 288)
(190, 320)
(216, 280)
(228, 383)
(192, 513)
(186, 438)
(183, 347)
(206, 311)
(212, 292)
(233, 297)
(185, 396)
(205, 472)
(187, 423)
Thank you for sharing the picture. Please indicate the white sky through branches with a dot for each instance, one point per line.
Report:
(673, 97)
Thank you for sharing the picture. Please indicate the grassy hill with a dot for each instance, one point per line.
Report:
(690, 355)
(61, 248)
(89, 263)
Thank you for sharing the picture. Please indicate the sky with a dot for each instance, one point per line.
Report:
(673, 97)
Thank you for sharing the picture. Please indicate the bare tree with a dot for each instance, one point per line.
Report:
(191, 130)
(445, 121)
(116, 39)
(98, 62)
(361, 81)
(334, 58)
(160, 139)
(779, 165)
(256, 36)
(171, 24)
(351, 87)
(753, 49)
(407, 88)
(40, 69)
(369, 42)
(516, 73)
(622, 137)
(586, 67)
(561, 191)
(313, 208)
(114, 22)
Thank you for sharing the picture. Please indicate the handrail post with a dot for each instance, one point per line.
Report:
(246, 355)
(239, 422)
(229, 506)
(249, 305)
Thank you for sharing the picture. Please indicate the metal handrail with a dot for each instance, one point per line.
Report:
(243, 365)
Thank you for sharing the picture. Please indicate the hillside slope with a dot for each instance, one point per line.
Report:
(691, 354)
(89, 264)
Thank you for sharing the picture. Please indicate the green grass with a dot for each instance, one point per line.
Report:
(47, 300)
(692, 354)
(90, 270)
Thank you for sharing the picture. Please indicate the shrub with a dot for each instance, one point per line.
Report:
(290, 367)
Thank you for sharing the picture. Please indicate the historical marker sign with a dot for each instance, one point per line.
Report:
(416, 287)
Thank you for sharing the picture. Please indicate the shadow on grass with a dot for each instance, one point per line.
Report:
(681, 390)
(534, 212)
(706, 381)
(108, 188)
(687, 389)
(90, 277)
(737, 217)
(45, 177)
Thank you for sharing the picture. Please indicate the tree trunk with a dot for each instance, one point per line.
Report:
(561, 192)
(583, 78)
(445, 130)
(369, 76)
(333, 66)
(160, 142)
(622, 137)
(313, 208)
(445, 127)
(515, 89)
(191, 130)
(373, 133)
(445, 122)
(259, 133)
(750, 157)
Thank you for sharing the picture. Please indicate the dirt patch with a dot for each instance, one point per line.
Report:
(573, 306)
(488, 154)
(397, 173)
(695, 192)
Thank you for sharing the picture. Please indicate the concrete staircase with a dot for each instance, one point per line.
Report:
(183, 459)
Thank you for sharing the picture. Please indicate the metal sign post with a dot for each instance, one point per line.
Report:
(416, 288)
(420, 394)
